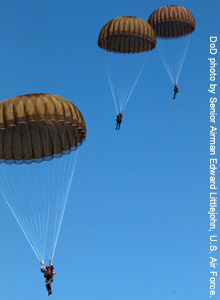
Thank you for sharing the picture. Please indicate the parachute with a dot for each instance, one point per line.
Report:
(125, 36)
(35, 130)
(173, 25)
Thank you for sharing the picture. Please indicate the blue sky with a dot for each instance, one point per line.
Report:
(136, 222)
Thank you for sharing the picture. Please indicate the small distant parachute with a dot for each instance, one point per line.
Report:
(35, 130)
(173, 24)
(125, 35)
(172, 21)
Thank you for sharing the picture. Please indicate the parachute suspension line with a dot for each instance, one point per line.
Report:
(144, 62)
(46, 231)
(57, 196)
(182, 58)
(120, 73)
(33, 227)
(18, 218)
(43, 198)
(36, 209)
(113, 92)
(39, 210)
(25, 184)
(70, 172)
(109, 69)
(46, 204)
(123, 72)
(29, 227)
(9, 198)
(35, 234)
(172, 53)
(162, 50)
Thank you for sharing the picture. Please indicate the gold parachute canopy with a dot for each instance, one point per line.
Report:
(38, 127)
(127, 35)
(172, 21)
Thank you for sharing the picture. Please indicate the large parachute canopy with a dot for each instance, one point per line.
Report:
(125, 35)
(38, 127)
(173, 24)
(35, 130)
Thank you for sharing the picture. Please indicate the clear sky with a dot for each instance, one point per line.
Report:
(136, 222)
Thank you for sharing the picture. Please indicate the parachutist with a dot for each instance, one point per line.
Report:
(176, 90)
(48, 274)
(118, 120)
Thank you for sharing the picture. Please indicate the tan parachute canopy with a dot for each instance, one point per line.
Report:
(39, 127)
(127, 35)
(172, 21)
